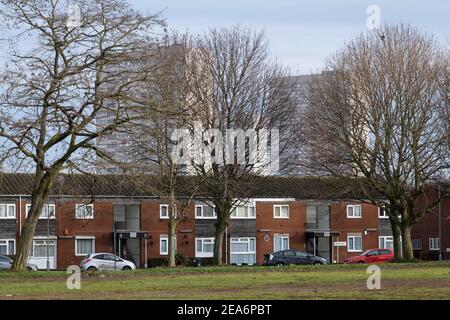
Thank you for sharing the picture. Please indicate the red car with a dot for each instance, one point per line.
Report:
(372, 256)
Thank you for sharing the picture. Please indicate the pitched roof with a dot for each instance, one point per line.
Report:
(299, 187)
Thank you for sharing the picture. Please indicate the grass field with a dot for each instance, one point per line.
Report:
(398, 281)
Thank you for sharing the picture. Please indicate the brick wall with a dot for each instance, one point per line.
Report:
(367, 226)
(266, 224)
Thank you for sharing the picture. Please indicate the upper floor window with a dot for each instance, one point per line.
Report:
(48, 211)
(354, 211)
(382, 213)
(205, 212)
(244, 212)
(84, 211)
(7, 211)
(434, 244)
(281, 211)
(164, 211)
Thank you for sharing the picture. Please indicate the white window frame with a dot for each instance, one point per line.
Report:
(240, 240)
(386, 239)
(41, 217)
(202, 212)
(382, 216)
(84, 238)
(247, 206)
(51, 239)
(160, 211)
(202, 254)
(166, 238)
(348, 243)
(9, 205)
(353, 206)
(7, 246)
(85, 205)
(432, 244)
(282, 236)
(275, 206)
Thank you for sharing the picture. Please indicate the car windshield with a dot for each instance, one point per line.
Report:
(366, 253)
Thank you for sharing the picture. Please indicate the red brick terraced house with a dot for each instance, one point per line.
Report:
(87, 214)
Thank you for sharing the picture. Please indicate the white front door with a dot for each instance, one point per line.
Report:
(43, 251)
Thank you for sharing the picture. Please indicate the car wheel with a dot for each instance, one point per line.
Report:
(279, 264)
(29, 268)
(361, 262)
(126, 268)
(91, 269)
(317, 263)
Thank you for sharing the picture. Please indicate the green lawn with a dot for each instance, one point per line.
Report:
(398, 281)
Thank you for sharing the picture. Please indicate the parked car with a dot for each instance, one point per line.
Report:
(372, 256)
(286, 257)
(6, 263)
(105, 261)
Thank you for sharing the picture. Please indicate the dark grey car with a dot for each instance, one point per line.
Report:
(286, 257)
(6, 263)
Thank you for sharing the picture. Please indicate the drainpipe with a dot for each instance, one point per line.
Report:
(440, 222)
(226, 245)
(20, 216)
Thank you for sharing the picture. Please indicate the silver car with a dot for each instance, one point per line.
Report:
(105, 262)
(6, 263)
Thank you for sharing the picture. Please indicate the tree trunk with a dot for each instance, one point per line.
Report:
(408, 253)
(218, 242)
(396, 235)
(173, 222)
(27, 235)
(42, 185)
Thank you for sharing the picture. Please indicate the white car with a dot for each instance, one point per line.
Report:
(105, 262)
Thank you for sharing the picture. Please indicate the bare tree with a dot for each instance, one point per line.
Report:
(378, 116)
(169, 107)
(236, 86)
(52, 92)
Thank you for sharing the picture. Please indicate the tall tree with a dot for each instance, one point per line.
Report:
(168, 107)
(53, 90)
(378, 116)
(236, 86)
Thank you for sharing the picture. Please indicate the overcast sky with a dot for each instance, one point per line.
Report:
(302, 33)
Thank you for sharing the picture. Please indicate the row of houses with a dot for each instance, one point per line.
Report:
(85, 214)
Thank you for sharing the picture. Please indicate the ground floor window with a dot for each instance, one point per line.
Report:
(40, 247)
(164, 245)
(417, 244)
(7, 247)
(204, 247)
(281, 242)
(354, 243)
(243, 251)
(84, 246)
(386, 242)
(434, 244)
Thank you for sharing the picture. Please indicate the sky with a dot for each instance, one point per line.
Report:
(302, 33)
